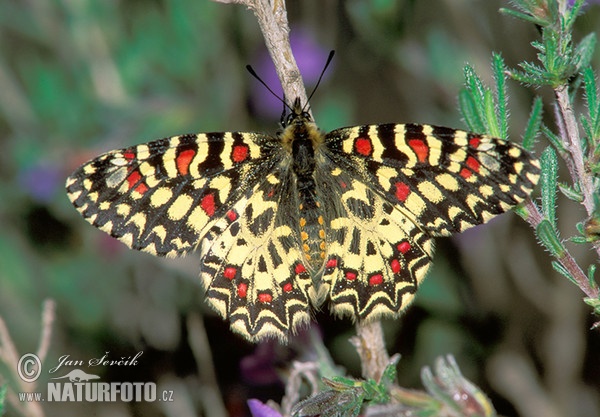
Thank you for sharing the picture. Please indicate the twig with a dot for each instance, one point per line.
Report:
(200, 348)
(534, 218)
(48, 315)
(10, 356)
(273, 21)
(573, 144)
(370, 345)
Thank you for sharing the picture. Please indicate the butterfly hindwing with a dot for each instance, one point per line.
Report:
(376, 255)
(252, 267)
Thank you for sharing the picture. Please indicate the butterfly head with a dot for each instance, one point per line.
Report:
(297, 116)
(298, 125)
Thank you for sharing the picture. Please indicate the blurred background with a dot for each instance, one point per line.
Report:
(80, 77)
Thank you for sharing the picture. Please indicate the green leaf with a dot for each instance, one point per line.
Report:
(549, 237)
(548, 182)
(593, 103)
(580, 240)
(533, 124)
(584, 52)
(554, 140)
(570, 193)
(499, 69)
(469, 112)
(490, 116)
(564, 272)
(594, 303)
(527, 17)
(572, 13)
(3, 391)
(451, 388)
(474, 86)
(590, 275)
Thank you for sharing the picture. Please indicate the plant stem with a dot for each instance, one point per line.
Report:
(534, 218)
(370, 345)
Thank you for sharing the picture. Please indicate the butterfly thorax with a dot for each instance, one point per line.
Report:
(302, 137)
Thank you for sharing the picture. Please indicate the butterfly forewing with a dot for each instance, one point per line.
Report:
(162, 197)
(445, 180)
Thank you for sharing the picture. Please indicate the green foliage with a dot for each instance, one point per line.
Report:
(3, 390)
(345, 396)
(561, 61)
(448, 393)
(486, 110)
(453, 391)
(548, 182)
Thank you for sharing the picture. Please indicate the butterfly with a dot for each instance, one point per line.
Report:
(295, 221)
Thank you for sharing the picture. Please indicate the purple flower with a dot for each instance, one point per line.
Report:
(41, 181)
(259, 409)
(585, 3)
(310, 58)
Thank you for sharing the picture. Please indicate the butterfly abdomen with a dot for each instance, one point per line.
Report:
(312, 233)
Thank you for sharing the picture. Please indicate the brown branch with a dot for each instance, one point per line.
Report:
(273, 21)
(534, 218)
(198, 342)
(572, 142)
(370, 345)
(10, 356)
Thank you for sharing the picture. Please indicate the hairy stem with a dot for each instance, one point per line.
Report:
(534, 218)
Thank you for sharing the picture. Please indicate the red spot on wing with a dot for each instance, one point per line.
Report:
(230, 272)
(465, 173)
(363, 146)
(395, 264)
(473, 163)
(265, 297)
(288, 287)
(232, 215)
(474, 166)
(404, 247)
(142, 188)
(242, 290)
(208, 204)
(420, 148)
(129, 155)
(183, 161)
(474, 142)
(350, 276)
(133, 179)
(239, 153)
(375, 279)
(300, 269)
(332, 263)
(402, 191)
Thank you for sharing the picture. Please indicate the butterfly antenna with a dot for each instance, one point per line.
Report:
(255, 75)
(329, 58)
